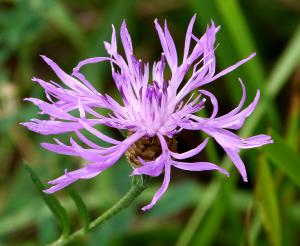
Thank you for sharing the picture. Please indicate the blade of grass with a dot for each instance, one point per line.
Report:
(205, 202)
(242, 39)
(240, 34)
(139, 184)
(254, 230)
(226, 54)
(284, 158)
(275, 84)
(279, 75)
(223, 208)
(53, 204)
(211, 226)
(236, 42)
(24, 216)
(268, 202)
(286, 64)
(81, 207)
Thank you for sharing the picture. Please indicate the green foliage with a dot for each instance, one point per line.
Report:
(199, 208)
(284, 158)
(181, 196)
(53, 204)
(82, 209)
(268, 202)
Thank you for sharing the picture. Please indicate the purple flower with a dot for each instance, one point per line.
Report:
(153, 110)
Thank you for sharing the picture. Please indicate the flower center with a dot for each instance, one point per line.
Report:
(147, 148)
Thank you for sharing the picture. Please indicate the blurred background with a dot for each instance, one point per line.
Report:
(199, 208)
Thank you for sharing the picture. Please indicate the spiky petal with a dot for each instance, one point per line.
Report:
(159, 108)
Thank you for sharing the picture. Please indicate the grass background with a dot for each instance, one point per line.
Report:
(198, 208)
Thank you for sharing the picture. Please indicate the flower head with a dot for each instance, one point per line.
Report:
(152, 110)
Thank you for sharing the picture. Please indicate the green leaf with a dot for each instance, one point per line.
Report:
(47, 230)
(53, 204)
(208, 232)
(284, 158)
(205, 201)
(254, 230)
(82, 209)
(268, 202)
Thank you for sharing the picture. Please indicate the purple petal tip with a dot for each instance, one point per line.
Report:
(145, 208)
(227, 174)
(44, 57)
(252, 55)
(49, 191)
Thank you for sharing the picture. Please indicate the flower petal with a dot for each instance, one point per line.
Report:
(47, 127)
(153, 168)
(198, 166)
(237, 161)
(213, 100)
(188, 37)
(64, 77)
(162, 189)
(126, 41)
(228, 70)
(167, 44)
(51, 109)
(98, 133)
(69, 178)
(191, 152)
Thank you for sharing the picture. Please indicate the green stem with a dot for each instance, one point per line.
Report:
(139, 184)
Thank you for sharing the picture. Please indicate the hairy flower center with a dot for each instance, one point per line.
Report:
(147, 148)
